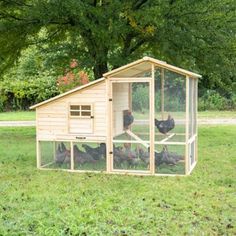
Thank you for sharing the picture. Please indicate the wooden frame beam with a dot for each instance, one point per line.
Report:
(187, 128)
(71, 156)
(38, 153)
(109, 117)
(167, 138)
(137, 138)
(162, 93)
(152, 119)
(130, 80)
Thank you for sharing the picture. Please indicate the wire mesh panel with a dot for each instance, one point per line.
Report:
(131, 111)
(55, 155)
(195, 98)
(131, 126)
(192, 153)
(170, 122)
(131, 156)
(170, 159)
(191, 107)
(89, 156)
(170, 104)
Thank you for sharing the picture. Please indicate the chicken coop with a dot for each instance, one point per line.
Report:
(139, 119)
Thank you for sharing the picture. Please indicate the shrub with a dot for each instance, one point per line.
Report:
(211, 100)
(73, 77)
(140, 98)
(20, 94)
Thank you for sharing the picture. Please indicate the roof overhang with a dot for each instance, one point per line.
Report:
(68, 92)
(143, 65)
(128, 70)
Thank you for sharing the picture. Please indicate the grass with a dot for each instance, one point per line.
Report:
(35, 202)
(30, 115)
(217, 114)
(17, 115)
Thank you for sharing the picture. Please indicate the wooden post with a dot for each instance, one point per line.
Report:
(196, 111)
(162, 93)
(187, 128)
(192, 106)
(152, 119)
(38, 153)
(71, 156)
(109, 157)
(130, 96)
(54, 150)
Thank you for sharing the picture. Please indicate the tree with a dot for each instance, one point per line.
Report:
(105, 34)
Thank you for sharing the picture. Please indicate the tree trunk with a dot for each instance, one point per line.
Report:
(100, 69)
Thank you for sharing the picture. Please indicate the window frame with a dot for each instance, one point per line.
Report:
(80, 111)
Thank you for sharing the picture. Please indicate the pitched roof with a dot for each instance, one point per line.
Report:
(138, 65)
(68, 92)
(131, 68)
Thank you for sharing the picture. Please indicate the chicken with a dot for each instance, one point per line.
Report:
(62, 153)
(163, 157)
(166, 158)
(164, 126)
(128, 119)
(81, 157)
(158, 158)
(144, 155)
(118, 155)
(131, 156)
(97, 153)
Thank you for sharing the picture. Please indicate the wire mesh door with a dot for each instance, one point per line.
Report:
(130, 126)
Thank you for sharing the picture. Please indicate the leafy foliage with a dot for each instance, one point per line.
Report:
(212, 100)
(199, 35)
(74, 77)
(20, 94)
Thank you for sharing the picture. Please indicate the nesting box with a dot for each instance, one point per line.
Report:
(140, 118)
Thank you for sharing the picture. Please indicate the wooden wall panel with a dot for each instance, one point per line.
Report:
(120, 102)
(53, 118)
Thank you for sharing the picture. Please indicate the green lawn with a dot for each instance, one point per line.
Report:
(217, 114)
(18, 115)
(30, 115)
(34, 202)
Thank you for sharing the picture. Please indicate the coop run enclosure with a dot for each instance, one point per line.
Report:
(138, 119)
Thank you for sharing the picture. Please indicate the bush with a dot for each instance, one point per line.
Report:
(140, 98)
(21, 94)
(212, 100)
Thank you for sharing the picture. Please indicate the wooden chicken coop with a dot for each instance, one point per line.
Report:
(138, 119)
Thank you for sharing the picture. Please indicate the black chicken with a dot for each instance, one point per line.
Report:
(163, 157)
(167, 158)
(81, 157)
(118, 155)
(128, 119)
(97, 153)
(164, 126)
(62, 153)
(131, 156)
(143, 155)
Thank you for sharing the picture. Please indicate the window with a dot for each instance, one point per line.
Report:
(81, 111)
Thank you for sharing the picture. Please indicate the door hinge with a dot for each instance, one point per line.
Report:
(110, 152)
(110, 99)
